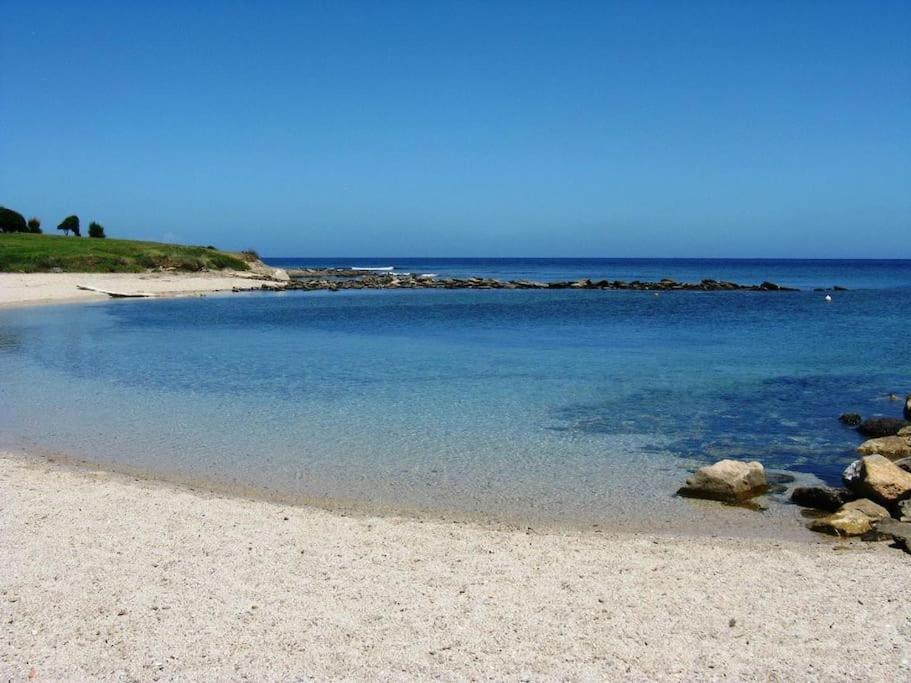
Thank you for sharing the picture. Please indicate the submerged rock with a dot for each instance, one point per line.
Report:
(893, 447)
(879, 479)
(881, 426)
(850, 419)
(730, 481)
(821, 497)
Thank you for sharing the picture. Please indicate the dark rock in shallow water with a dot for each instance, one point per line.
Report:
(822, 497)
(907, 410)
(881, 426)
(850, 419)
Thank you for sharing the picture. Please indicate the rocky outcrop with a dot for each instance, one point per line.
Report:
(821, 497)
(730, 481)
(850, 419)
(347, 278)
(905, 431)
(893, 447)
(879, 479)
(875, 427)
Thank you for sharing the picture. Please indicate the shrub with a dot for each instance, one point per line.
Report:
(34, 225)
(12, 221)
(70, 223)
(249, 255)
(96, 230)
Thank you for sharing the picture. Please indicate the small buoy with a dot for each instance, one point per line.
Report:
(828, 297)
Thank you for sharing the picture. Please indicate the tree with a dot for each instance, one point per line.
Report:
(12, 221)
(70, 223)
(34, 225)
(96, 230)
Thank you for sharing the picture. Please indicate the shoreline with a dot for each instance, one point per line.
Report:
(109, 577)
(19, 290)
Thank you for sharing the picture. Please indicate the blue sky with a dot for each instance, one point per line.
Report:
(469, 128)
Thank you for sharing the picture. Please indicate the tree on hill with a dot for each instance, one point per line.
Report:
(70, 223)
(12, 221)
(96, 230)
(34, 225)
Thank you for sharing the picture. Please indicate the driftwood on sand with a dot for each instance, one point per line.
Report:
(116, 295)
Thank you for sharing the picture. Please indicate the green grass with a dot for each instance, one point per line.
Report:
(25, 253)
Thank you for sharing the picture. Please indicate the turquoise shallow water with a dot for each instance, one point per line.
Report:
(553, 406)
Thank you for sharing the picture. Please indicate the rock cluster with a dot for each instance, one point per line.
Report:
(876, 502)
(334, 279)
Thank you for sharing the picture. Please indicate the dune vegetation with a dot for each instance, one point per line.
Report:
(34, 253)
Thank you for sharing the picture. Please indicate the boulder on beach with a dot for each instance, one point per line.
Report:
(879, 479)
(843, 523)
(856, 518)
(825, 498)
(730, 481)
(899, 531)
(850, 419)
(903, 510)
(904, 431)
(875, 427)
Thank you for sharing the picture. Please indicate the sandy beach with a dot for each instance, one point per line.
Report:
(110, 577)
(19, 289)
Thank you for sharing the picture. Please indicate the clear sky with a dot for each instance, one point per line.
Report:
(465, 128)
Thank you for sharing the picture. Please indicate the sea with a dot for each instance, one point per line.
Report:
(564, 408)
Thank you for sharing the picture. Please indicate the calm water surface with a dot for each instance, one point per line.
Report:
(550, 406)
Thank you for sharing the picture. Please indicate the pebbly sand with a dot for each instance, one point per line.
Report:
(18, 289)
(109, 577)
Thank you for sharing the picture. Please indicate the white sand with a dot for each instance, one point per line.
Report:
(104, 576)
(36, 288)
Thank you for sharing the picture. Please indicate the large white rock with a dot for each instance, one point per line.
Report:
(731, 481)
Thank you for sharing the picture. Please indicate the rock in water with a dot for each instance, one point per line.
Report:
(879, 479)
(893, 447)
(730, 481)
(875, 427)
(821, 497)
(908, 407)
(850, 419)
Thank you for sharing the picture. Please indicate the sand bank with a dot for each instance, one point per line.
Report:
(105, 576)
(44, 288)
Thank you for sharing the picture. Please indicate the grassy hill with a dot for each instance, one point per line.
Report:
(27, 253)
